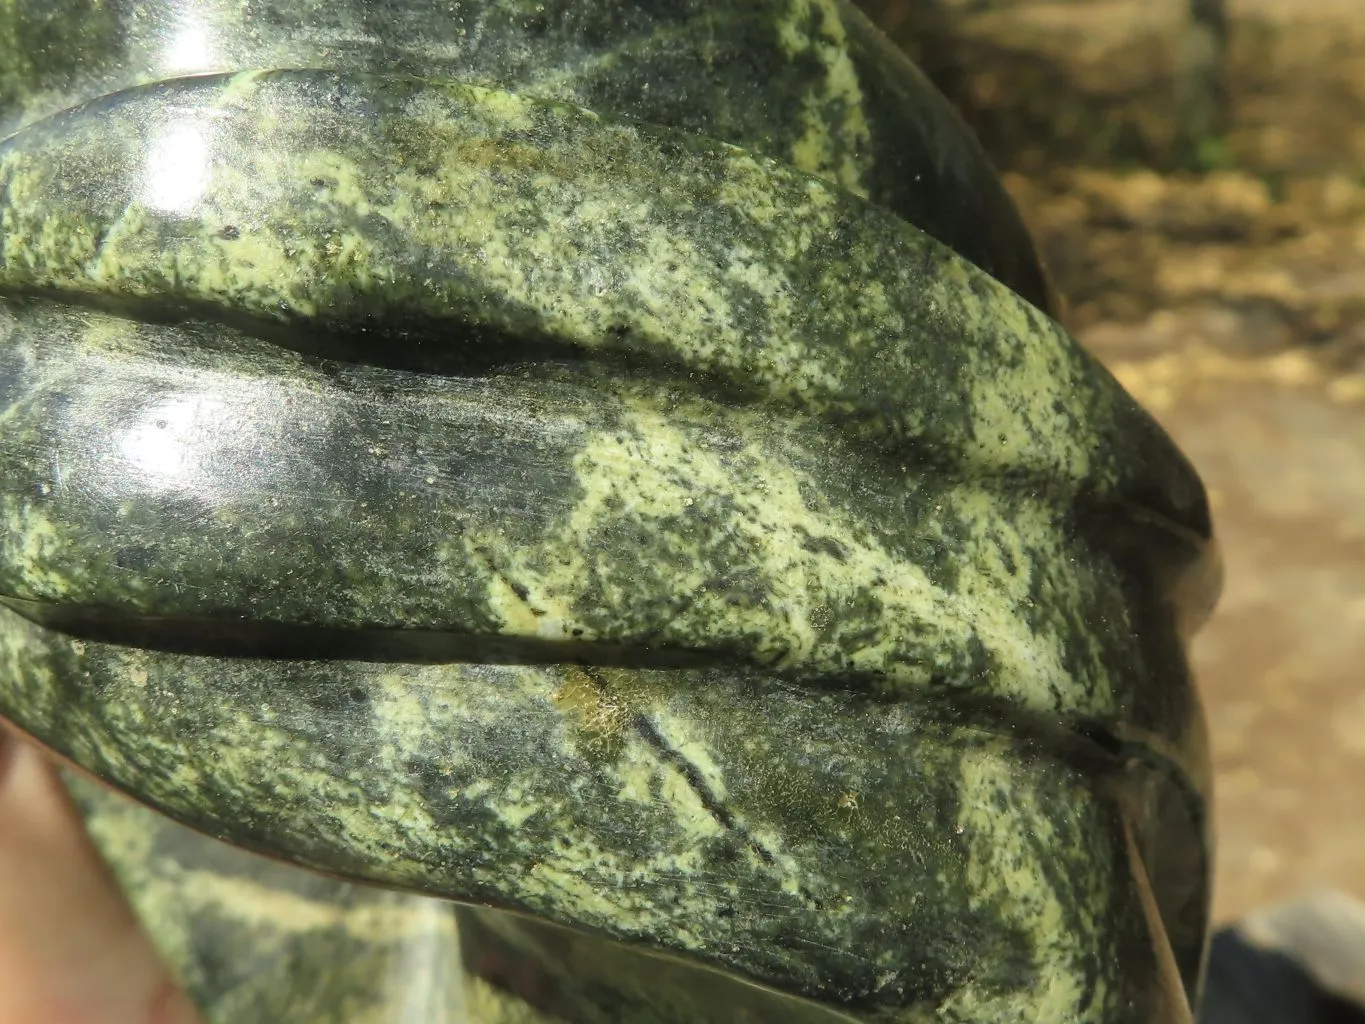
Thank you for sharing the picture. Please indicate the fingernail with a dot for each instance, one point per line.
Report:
(172, 1006)
(9, 747)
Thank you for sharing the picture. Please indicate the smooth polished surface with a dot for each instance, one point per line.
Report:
(807, 82)
(445, 486)
(253, 940)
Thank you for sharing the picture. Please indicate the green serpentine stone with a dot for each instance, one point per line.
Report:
(606, 463)
(808, 82)
(253, 940)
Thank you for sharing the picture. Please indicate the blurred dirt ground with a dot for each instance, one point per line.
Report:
(1246, 338)
(1194, 171)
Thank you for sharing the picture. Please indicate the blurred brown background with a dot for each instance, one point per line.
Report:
(1194, 172)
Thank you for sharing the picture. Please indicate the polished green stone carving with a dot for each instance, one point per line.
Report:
(253, 940)
(607, 462)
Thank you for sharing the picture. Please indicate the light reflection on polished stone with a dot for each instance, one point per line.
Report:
(189, 46)
(179, 167)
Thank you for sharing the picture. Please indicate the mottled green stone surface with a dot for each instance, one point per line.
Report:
(609, 463)
(807, 82)
(253, 940)
(846, 849)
